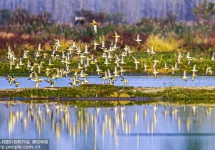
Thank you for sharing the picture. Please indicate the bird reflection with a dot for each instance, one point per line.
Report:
(103, 123)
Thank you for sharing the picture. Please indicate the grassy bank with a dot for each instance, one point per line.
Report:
(178, 95)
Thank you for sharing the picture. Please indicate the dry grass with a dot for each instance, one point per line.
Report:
(115, 94)
(25, 36)
(47, 46)
(65, 44)
(28, 46)
(162, 44)
(6, 35)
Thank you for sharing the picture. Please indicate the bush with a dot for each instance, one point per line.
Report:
(116, 18)
(162, 44)
(5, 15)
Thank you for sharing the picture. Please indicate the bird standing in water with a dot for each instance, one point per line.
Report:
(124, 80)
(16, 83)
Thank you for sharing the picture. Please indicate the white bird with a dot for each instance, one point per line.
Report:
(165, 66)
(136, 62)
(106, 61)
(138, 40)
(95, 24)
(148, 51)
(212, 58)
(194, 68)
(16, 83)
(82, 74)
(115, 72)
(98, 70)
(173, 69)
(145, 67)
(79, 66)
(122, 60)
(188, 56)
(86, 50)
(17, 66)
(185, 77)
(37, 83)
(152, 51)
(201, 59)
(155, 63)
(179, 57)
(25, 54)
(104, 77)
(109, 73)
(57, 44)
(155, 73)
(121, 71)
(208, 70)
(104, 55)
(193, 75)
(95, 44)
(103, 45)
(39, 47)
(124, 81)
(116, 36)
(52, 83)
(176, 66)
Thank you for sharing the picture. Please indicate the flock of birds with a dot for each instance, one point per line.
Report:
(110, 55)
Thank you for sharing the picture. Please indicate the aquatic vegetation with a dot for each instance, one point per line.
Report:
(102, 93)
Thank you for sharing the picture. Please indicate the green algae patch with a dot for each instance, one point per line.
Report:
(80, 91)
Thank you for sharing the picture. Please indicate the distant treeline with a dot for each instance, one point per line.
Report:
(23, 17)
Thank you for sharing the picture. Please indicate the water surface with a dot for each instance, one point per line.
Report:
(151, 127)
(136, 81)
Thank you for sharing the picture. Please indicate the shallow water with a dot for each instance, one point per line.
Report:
(150, 127)
(136, 81)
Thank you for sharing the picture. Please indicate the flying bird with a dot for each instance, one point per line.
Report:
(95, 24)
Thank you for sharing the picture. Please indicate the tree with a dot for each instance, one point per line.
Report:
(171, 18)
(204, 13)
(20, 16)
(116, 18)
(5, 15)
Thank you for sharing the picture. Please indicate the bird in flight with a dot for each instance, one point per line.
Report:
(95, 24)
(138, 40)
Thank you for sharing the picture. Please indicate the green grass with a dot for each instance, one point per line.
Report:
(177, 95)
(142, 57)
